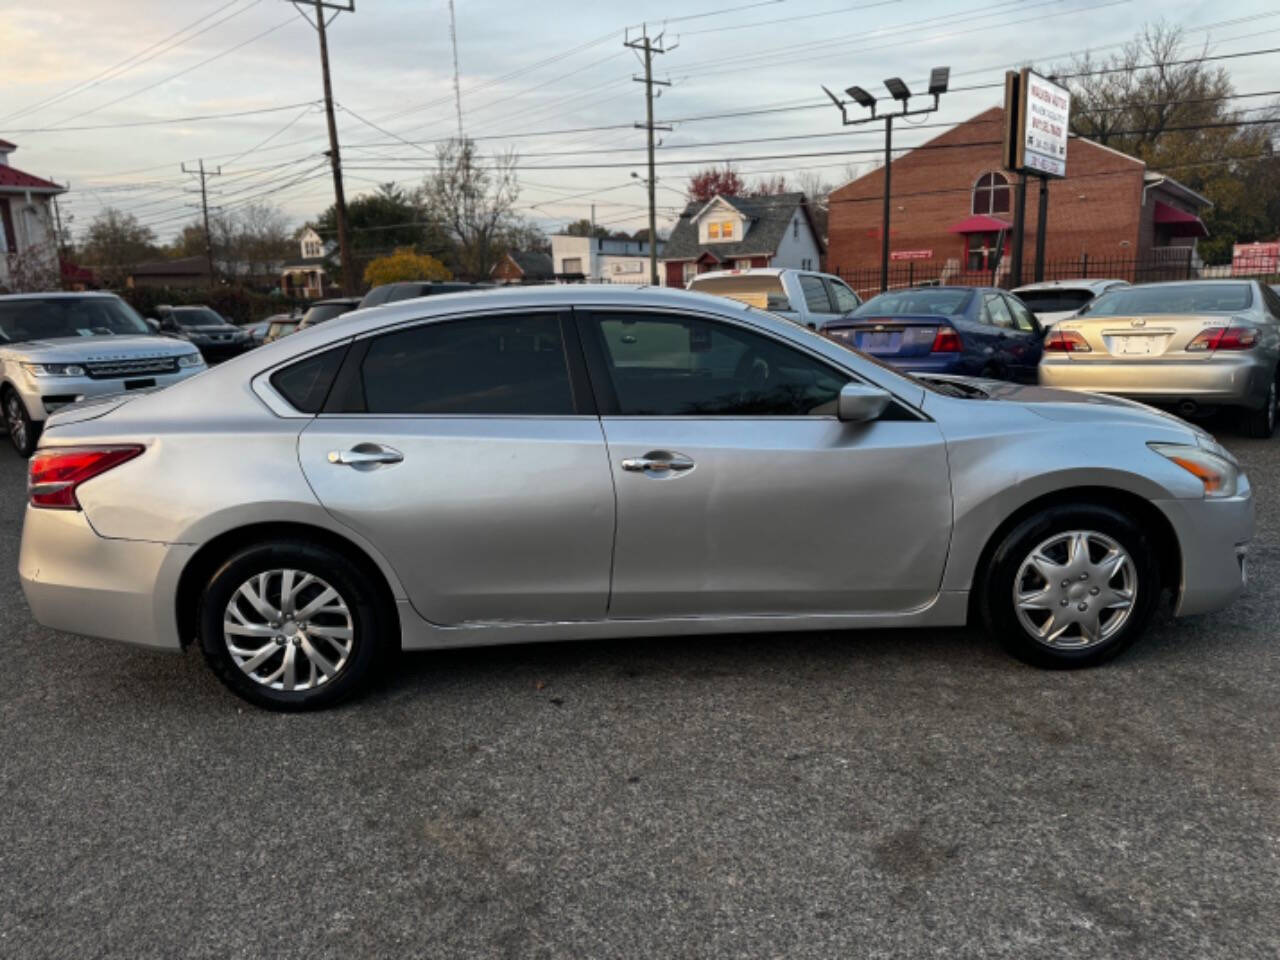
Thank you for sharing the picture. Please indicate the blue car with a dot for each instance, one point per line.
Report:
(972, 331)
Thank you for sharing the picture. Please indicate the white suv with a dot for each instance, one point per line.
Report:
(58, 348)
(810, 299)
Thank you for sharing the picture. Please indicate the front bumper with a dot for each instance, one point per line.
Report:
(1238, 381)
(43, 395)
(1213, 537)
(79, 582)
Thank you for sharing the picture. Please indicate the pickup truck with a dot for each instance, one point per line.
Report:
(803, 296)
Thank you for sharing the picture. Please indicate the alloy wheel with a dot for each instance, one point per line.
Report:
(17, 421)
(288, 630)
(1075, 590)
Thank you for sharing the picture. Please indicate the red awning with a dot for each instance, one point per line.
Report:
(1179, 222)
(980, 223)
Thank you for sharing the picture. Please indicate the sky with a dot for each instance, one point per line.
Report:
(532, 76)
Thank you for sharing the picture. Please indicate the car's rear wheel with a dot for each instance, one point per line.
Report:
(1071, 586)
(1261, 423)
(23, 431)
(292, 625)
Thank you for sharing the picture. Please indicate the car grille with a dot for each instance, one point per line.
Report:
(107, 369)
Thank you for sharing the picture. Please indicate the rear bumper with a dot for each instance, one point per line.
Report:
(1239, 381)
(953, 363)
(1213, 537)
(79, 582)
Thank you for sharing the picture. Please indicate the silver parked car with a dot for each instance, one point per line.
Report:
(576, 462)
(57, 348)
(1054, 300)
(1195, 345)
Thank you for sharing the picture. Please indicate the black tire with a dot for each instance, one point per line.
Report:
(24, 433)
(371, 626)
(997, 584)
(1261, 423)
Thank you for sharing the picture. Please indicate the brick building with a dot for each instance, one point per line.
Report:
(952, 208)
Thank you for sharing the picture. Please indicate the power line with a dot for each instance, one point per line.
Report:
(194, 118)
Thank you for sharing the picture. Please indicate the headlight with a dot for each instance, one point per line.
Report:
(54, 369)
(190, 360)
(1218, 474)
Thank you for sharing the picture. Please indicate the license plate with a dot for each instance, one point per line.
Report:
(1134, 346)
(140, 384)
(880, 342)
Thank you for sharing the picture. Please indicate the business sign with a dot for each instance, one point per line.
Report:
(911, 255)
(1249, 259)
(1037, 123)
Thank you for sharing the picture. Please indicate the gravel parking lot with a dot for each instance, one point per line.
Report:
(906, 794)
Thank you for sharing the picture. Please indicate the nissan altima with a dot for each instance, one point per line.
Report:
(578, 462)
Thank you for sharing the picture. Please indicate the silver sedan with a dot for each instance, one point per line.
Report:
(580, 462)
(1194, 345)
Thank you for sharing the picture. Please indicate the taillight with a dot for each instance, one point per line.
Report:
(1066, 341)
(55, 473)
(1235, 337)
(946, 340)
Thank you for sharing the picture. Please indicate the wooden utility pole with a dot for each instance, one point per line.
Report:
(204, 209)
(648, 47)
(57, 245)
(335, 159)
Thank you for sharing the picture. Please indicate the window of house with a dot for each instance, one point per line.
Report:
(571, 265)
(673, 366)
(689, 271)
(795, 229)
(742, 264)
(991, 194)
(713, 231)
(726, 230)
(509, 365)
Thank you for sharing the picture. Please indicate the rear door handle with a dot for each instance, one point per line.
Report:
(658, 462)
(365, 455)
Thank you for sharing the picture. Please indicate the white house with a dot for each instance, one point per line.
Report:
(600, 259)
(728, 233)
(305, 277)
(28, 234)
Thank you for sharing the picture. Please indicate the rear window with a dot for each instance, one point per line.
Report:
(305, 384)
(1174, 298)
(761, 290)
(326, 311)
(1057, 300)
(912, 303)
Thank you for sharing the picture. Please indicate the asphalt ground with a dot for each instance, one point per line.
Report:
(886, 794)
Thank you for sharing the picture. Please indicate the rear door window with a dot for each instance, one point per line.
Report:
(505, 365)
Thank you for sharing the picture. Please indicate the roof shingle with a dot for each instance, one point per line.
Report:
(769, 216)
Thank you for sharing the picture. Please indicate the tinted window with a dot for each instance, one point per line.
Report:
(671, 366)
(305, 384)
(845, 299)
(1056, 300)
(505, 365)
(1174, 298)
(906, 303)
(815, 294)
(996, 313)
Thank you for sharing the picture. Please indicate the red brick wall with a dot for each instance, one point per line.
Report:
(507, 271)
(1097, 208)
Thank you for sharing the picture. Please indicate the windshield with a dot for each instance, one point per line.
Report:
(326, 311)
(1056, 300)
(197, 317)
(1173, 298)
(914, 303)
(32, 318)
(761, 290)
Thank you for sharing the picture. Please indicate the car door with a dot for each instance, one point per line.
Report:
(740, 493)
(1025, 342)
(468, 451)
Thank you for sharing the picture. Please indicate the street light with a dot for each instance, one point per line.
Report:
(898, 90)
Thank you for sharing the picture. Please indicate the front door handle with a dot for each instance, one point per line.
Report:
(365, 455)
(658, 462)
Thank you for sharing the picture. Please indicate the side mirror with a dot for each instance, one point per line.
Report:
(152, 325)
(861, 403)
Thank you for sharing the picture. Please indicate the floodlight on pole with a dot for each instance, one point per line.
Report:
(897, 89)
(863, 98)
(939, 77)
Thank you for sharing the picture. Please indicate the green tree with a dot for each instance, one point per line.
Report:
(585, 228)
(387, 219)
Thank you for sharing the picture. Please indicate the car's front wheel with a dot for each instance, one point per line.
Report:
(292, 625)
(1071, 586)
(23, 431)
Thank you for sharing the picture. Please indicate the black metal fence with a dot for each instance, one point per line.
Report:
(915, 273)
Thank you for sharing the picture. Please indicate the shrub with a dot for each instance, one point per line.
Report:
(404, 265)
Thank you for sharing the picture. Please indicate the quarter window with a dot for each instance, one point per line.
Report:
(669, 366)
(1022, 318)
(997, 313)
(509, 365)
(991, 194)
(305, 384)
